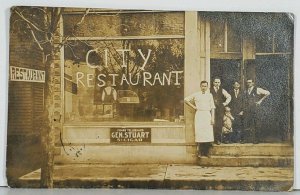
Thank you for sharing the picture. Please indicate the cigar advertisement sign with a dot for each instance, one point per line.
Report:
(123, 135)
(108, 98)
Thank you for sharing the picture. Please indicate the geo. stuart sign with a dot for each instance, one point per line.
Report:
(130, 135)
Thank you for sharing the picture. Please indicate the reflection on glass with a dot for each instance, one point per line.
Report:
(135, 80)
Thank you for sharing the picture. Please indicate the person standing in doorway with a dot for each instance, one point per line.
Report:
(221, 99)
(253, 98)
(203, 103)
(236, 105)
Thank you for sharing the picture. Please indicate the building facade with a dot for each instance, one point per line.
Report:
(122, 77)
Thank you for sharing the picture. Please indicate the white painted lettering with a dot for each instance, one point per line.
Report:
(147, 75)
(123, 56)
(89, 78)
(145, 59)
(79, 76)
(101, 82)
(124, 79)
(176, 76)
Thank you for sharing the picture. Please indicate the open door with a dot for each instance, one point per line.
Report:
(227, 70)
(272, 73)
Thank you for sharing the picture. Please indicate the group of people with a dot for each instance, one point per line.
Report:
(225, 117)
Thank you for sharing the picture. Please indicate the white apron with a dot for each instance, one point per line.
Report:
(204, 104)
(203, 128)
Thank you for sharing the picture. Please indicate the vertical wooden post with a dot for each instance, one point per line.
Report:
(197, 65)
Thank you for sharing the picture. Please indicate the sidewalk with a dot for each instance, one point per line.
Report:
(172, 176)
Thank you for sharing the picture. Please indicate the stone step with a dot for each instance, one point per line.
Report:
(246, 161)
(252, 150)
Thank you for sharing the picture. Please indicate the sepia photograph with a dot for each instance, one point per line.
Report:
(150, 99)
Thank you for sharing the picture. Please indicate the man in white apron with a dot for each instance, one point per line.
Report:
(203, 103)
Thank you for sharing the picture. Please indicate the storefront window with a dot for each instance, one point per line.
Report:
(124, 80)
(127, 67)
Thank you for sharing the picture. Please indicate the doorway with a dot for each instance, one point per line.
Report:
(269, 72)
(227, 70)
